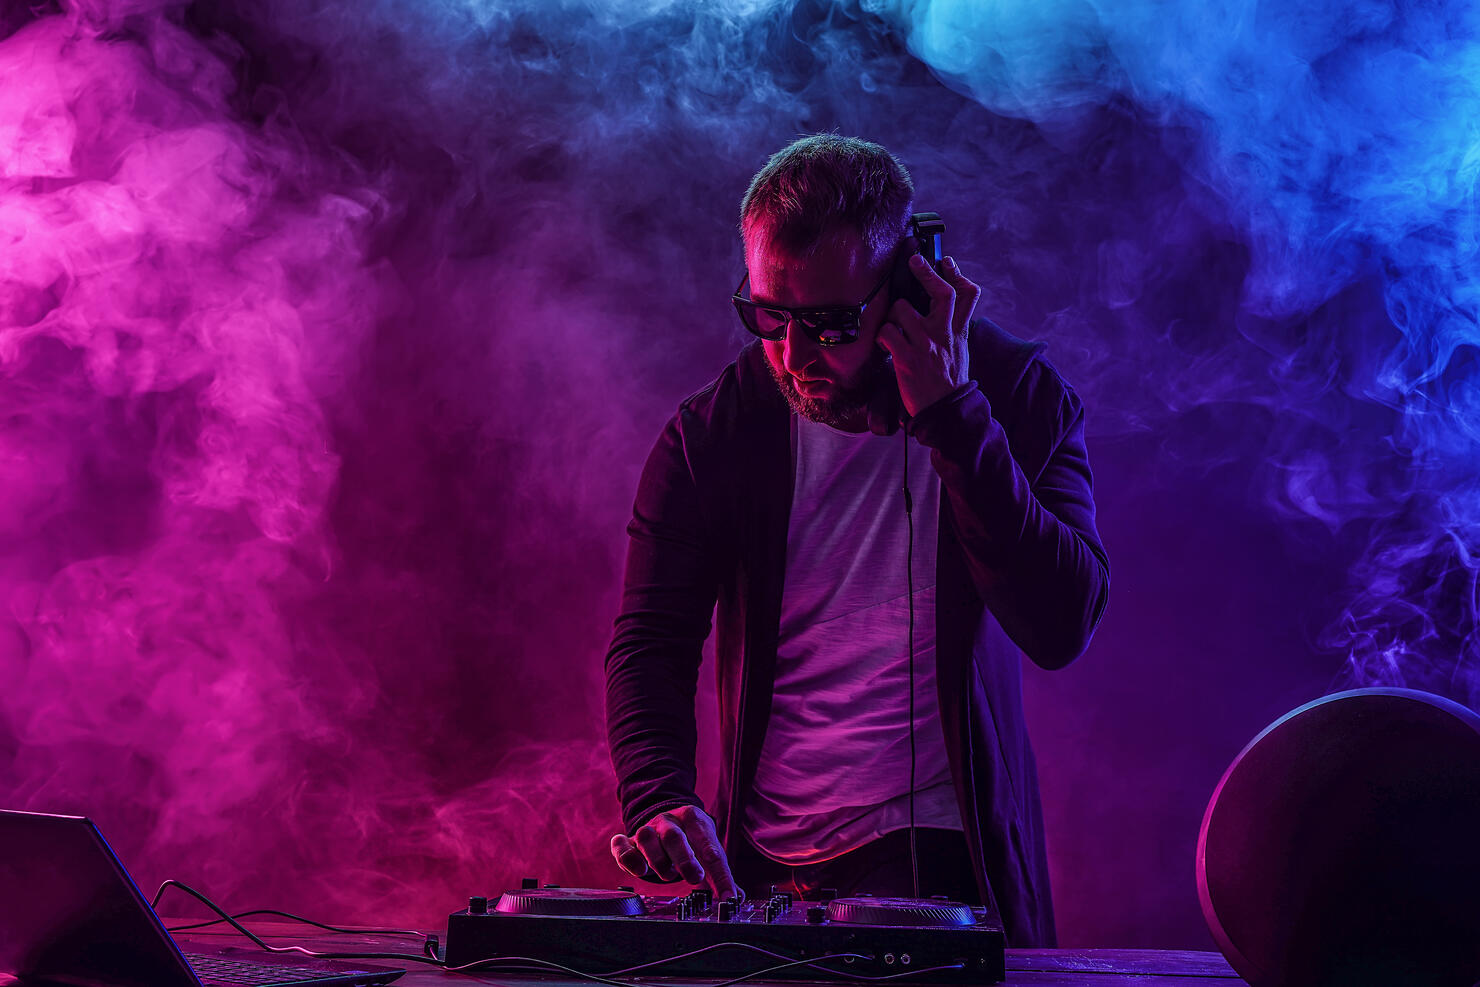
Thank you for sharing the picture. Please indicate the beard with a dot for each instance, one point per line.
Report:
(844, 408)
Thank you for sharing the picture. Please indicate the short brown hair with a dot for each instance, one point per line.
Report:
(816, 184)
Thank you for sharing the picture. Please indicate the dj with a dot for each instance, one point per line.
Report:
(775, 494)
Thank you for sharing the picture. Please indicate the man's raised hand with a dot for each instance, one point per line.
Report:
(930, 352)
(678, 843)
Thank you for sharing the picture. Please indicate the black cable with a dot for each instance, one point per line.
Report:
(814, 962)
(893, 976)
(538, 964)
(607, 978)
(526, 961)
(909, 576)
(283, 949)
(296, 918)
(787, 966)
(696, 952)
(780, 956)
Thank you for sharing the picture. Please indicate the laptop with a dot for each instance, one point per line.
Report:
(70, 914)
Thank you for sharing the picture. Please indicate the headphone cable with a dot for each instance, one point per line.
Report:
(909, 575)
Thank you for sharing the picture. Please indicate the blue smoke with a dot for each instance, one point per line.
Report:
(1344, 138)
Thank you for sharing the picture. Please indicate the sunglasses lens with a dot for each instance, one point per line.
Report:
(767, 323)
(770, 323)
(831, 328)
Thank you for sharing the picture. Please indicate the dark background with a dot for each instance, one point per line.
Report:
(333, 336)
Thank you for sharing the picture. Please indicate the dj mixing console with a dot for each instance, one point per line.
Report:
(612, 933)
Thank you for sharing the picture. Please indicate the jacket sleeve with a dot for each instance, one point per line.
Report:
(652, 666)
(1029, 535)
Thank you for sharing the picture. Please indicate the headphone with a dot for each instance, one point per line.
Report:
(885, 408)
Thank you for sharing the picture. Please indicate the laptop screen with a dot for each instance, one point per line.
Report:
(70, 913)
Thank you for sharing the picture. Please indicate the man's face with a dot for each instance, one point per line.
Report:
(829, 384)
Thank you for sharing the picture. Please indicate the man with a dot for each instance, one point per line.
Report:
(775, 494)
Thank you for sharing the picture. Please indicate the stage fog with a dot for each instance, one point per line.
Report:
(333, 337)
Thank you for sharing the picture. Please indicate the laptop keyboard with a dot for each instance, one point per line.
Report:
(213, 969)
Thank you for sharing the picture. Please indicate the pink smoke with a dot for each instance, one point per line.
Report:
(180, 293)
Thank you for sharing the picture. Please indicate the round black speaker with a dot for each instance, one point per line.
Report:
(1342, 846)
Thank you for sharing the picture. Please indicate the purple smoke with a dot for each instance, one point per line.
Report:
(332, 337)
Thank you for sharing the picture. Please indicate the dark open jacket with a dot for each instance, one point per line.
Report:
(1019, 566)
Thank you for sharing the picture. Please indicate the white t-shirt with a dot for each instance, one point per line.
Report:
(835, 763)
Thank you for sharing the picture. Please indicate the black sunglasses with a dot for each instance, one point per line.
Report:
(831, 325)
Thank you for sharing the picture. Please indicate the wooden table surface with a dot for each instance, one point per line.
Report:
(1038, 967)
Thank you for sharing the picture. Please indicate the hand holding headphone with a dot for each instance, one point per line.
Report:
(928, 349)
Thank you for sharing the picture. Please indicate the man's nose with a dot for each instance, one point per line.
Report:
(798, 351)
